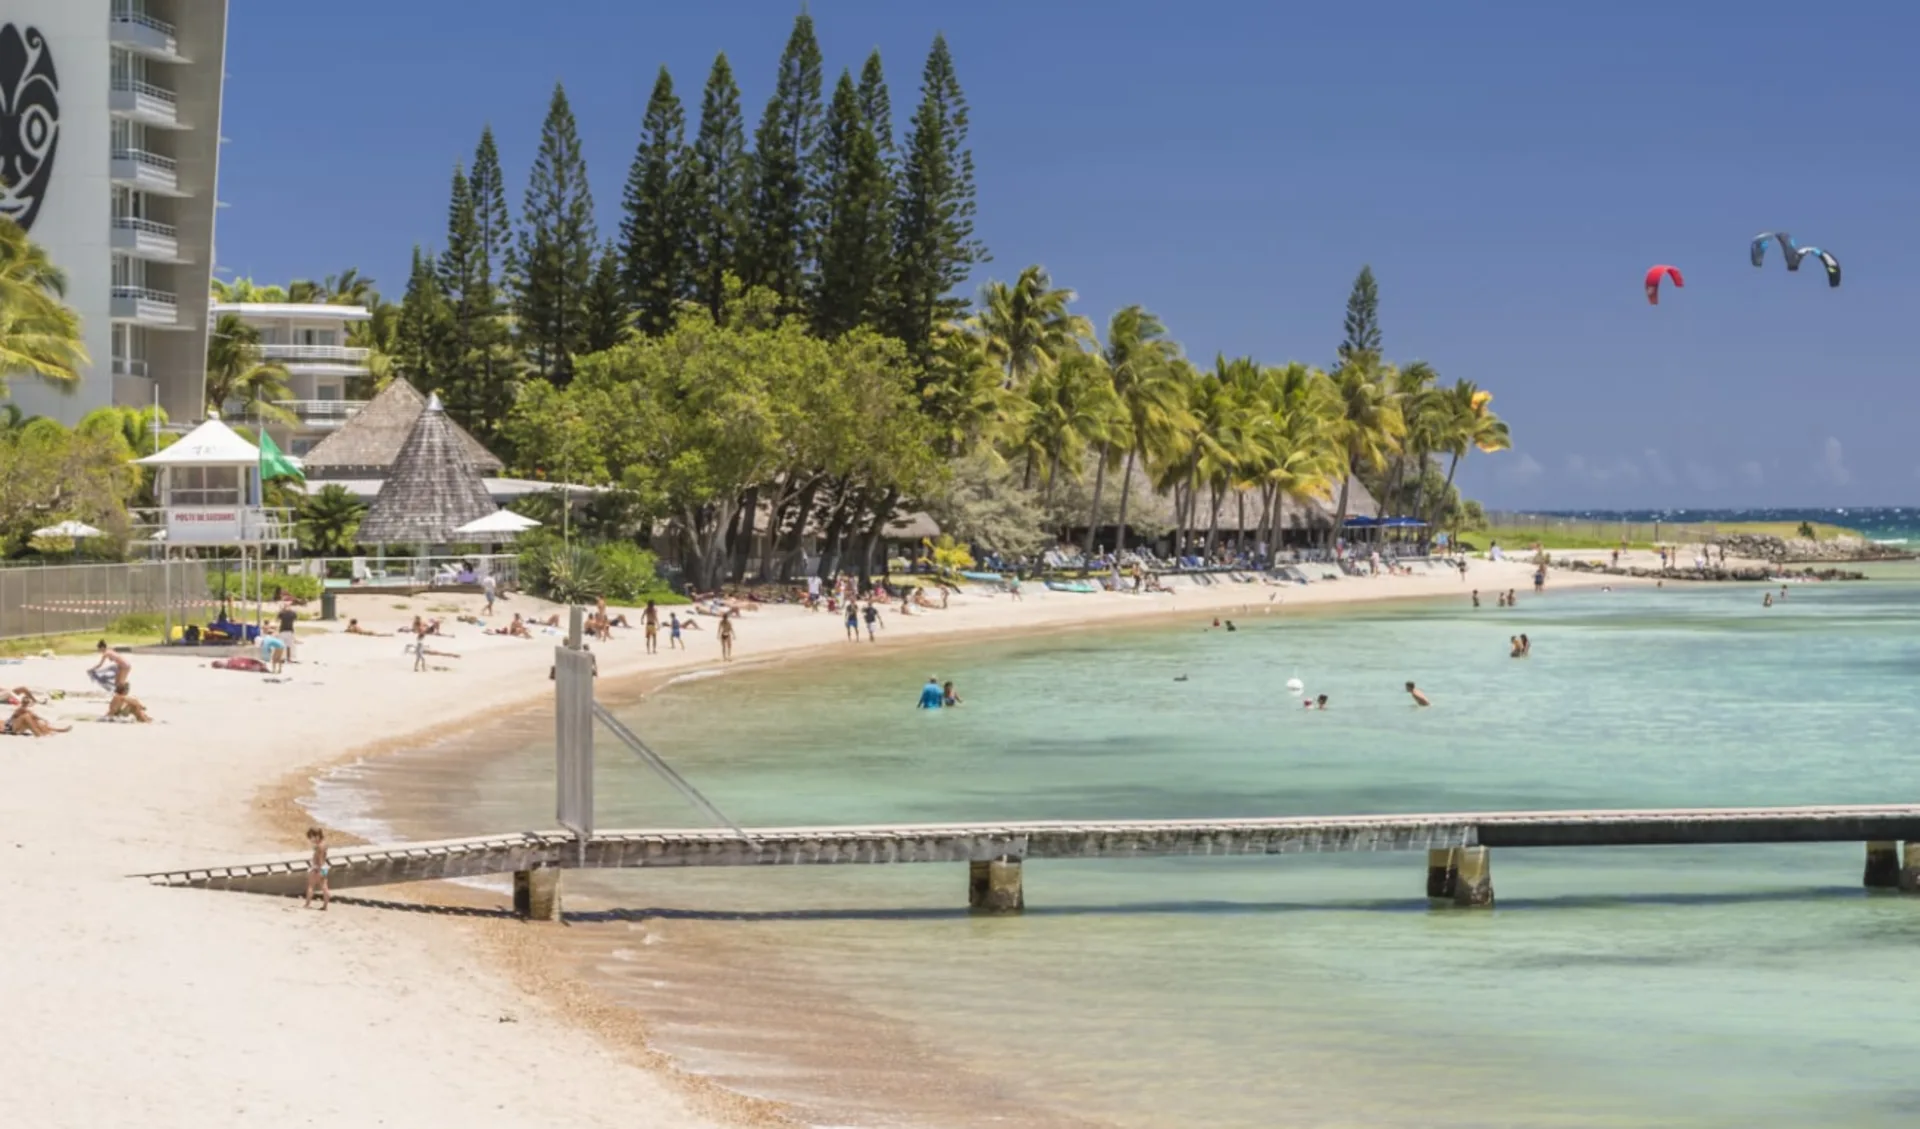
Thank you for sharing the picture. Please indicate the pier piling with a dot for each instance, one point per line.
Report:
(1910, 867)
(536, 894)
(1441, 876)
(994, 886)
(1883, 865)
(1473, 877)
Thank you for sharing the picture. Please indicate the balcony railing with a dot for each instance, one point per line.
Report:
(145, 90)
(145, 227)
(320, 412)
(143, 32)
(150, 159)
(142, 294)
(123, 366)
(338, 354)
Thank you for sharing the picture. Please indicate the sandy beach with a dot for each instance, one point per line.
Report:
(131, 1003)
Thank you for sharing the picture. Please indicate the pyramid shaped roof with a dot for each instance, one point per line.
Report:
(432, 489)
(211, 444)
(369, 442)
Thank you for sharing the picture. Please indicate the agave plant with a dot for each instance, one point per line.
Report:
(568, 574)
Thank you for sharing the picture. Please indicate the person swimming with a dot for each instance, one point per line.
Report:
(931, 696)
(1419, 699)
(949, 696)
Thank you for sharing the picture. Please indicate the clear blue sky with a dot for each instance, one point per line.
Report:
(1509, 169)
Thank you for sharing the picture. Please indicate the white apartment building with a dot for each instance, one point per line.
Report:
(110, 111)
(309, 340)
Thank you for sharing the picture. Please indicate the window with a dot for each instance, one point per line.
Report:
(204, 486)
(326, 392)
(301, 447)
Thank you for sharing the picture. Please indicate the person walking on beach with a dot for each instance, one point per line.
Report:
(1419, 699)
(931, 696)
(853, 622)
(122, 669)
(490, 588)
(317, 869)
(650, 619)
(674, 642)
(725, 632)
(872, 615)
(1476, 597)
(1539, 579)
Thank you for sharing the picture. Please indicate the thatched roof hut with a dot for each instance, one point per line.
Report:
(432, 489)
(368, 444)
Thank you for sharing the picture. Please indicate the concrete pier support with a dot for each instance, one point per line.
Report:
(1883, 865)
(994, 886)
(1441, 876)
(1910, 868)
(536, 894)
(1472, 876)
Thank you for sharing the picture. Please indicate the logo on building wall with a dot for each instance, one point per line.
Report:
(29, 122)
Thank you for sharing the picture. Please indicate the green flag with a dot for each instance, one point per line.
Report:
(274, 464)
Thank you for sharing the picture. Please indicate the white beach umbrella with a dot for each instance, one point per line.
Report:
(69, 529)
(499, 523)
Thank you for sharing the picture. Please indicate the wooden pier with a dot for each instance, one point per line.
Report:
(1458, 848)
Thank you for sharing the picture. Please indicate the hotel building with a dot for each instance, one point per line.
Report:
(109, 154)
(309, 340)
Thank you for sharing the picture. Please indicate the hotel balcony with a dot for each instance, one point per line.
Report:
(144, 35)
(321, 415)
(144, 102)
(145, 239)
(137, 304)
(148, 172)
(332, 356)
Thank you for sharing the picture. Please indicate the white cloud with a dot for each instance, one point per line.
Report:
(1522, 470)
(1601, 472)
(1657, 467)
(1831, 466)
(1751, 474)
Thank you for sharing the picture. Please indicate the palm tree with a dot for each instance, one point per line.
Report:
(1147, 385)
(348, 288)
(242, 290)
(1027, 326)
(1422, 411)
(1302, 455)
(329, 518)
(965, 394)
(236, 371)
(1472, 424)
(1370, 424)
(1070, 403)
(39, 333)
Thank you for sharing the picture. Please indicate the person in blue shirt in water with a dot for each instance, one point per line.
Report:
(932, 697)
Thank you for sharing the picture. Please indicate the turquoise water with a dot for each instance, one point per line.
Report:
(1752, 987)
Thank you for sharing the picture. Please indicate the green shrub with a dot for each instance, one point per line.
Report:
(619, 571)
(228, 586)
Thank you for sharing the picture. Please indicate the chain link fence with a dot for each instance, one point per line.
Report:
(55, 599)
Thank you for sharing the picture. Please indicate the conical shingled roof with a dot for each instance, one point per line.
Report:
(368, 443)
(432, 489)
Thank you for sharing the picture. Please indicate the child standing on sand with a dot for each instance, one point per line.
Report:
(317, 868)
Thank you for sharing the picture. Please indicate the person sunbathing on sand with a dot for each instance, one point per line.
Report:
(426, 627)
(124, 705)
(21, 696)
(26, 723)
(354, 628)
(517, 629)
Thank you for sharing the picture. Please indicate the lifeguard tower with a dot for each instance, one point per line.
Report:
(211, 497)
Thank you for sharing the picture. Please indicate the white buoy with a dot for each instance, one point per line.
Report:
(1295, 686)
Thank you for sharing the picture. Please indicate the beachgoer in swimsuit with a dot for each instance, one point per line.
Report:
(1419, 699)
(673, 633)
(318, 868)
(26, 723)
(725, 632)
(948, 697)
(872, 615)
(122, 669)
(650, 619)
(853, 622)
(123, 706)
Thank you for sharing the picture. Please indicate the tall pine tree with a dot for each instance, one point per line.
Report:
(786, 171)
(718, 190)
(854, 238)
(423, 335)
(654, 237)
(556, 250)
(876, 105)
(494, 371)
(933, 243)
(463, 284)
(607, 308)
(1363, 317)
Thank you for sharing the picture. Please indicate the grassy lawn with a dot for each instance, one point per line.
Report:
(128, 631)
(1638, 535)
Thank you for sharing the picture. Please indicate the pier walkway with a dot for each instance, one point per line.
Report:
(1457, 846)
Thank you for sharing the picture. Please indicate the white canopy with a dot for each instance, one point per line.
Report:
(68, 529)
(211, 444)
(498, 523)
